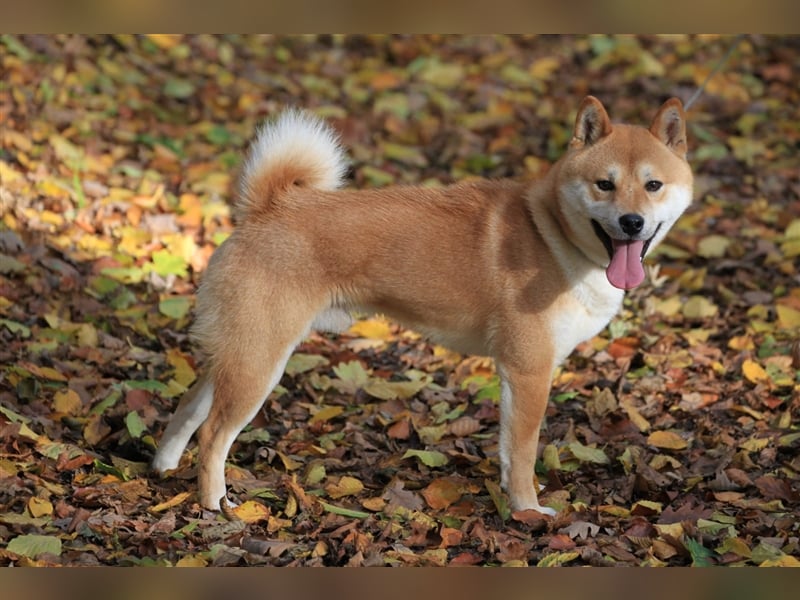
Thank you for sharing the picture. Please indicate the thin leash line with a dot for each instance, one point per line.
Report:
(716, 70)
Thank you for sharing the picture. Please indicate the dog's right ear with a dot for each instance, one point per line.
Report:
(591, 124)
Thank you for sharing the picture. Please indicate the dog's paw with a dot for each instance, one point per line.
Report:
(546, 510)
(163, 463)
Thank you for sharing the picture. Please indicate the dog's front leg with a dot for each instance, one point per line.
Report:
(522, 406)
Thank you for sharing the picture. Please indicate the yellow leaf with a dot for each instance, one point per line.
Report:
(289, 463)
(544, 68)
(39, 507)
(557, 559)
(754, 444)
(672, 529)
(184, 372)
(48, 373)
(667, 440)
(669, 307)
(741, 342)
(251, 512)
(87, 335)
(753, 372)
(52, 189)
(192, 561)
(788, 318)
(699, 307)
(8, 173)
(180, 245)
(793, 229)
(649, 505)
(67, 402)
(174, 501)
(346, 486)
(376, 328)
(713, 246)
(634, 415)
(326, 413)
(784, 560)
(375, 504)
(165, 41)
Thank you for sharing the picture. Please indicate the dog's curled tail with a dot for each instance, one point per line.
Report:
(296, 149)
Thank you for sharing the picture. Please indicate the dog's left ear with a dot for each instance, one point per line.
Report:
(591, 124)
(669, 126)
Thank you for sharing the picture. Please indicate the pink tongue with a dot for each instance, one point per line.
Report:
(626, 271)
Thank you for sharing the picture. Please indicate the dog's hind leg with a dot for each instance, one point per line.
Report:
(190, 414)
(243, 376)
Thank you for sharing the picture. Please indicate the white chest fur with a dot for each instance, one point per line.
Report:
(583, 312)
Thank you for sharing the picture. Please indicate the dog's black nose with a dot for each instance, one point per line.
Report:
(631, 223)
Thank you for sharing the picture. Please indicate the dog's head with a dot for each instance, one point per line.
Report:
(622, 187)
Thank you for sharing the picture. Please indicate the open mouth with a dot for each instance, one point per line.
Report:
(625, 269)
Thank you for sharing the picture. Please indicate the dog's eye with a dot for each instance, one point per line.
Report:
(653, 185)
(604, 185)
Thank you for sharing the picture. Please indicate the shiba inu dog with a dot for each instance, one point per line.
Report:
(521, 272)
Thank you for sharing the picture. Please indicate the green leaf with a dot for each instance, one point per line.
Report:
(107, 402)
(15, 327)
(135, 425)
(9, 264)
(124, 274)
(352, 372)
(33, 545)
(499, 498)
(179, 88)
(165, 263)
(345, 512)
(17, 47)
(430, 458)
(219, 135)
(151, 385)
(102, 467)
(302, 363)
(409, 155)
(701, 556)
(13, 416)
(587, 454)
(564, 396)
(175, 307)
(254, 435)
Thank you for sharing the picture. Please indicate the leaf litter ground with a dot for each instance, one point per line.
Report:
(672, 438)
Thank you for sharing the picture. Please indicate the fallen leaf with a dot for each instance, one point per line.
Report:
(174, 501)
(33, 545)
(441, 493)
(251, 512)
(754, 372)
(588, 454)
(668, 440)
(430, 458)
(346, 486)
(39, 507)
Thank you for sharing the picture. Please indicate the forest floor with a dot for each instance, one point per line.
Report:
(671, 439)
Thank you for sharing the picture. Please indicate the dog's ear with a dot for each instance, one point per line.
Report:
(591, 124)
(669, 126)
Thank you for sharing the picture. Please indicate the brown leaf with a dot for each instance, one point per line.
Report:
(561, 541)
(441, 493)
(773, 488)
(396, 496)
(400, 430)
